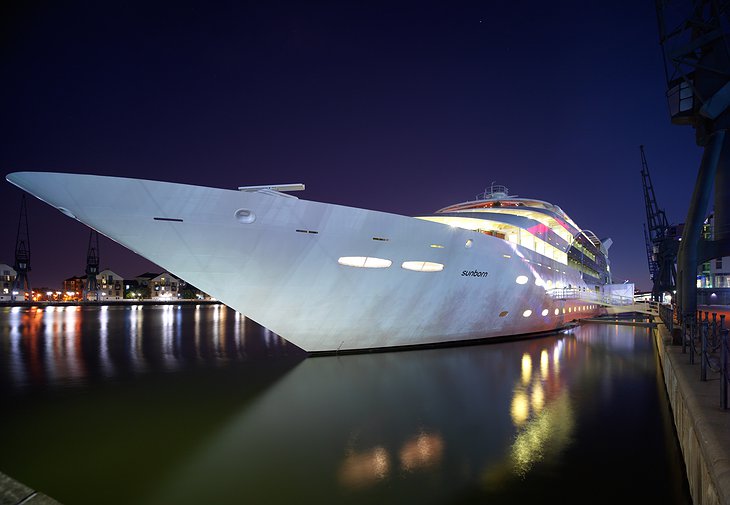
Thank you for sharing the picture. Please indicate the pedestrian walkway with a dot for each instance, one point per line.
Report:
(703, 427)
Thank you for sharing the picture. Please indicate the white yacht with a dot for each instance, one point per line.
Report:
(330, 278)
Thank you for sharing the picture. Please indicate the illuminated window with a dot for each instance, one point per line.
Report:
(422, 266)
(522, 279)
(527, 313)
(437, 246)
(364, 262)
(563, 310)
(468, 243)
(545, 312)
(557, 311)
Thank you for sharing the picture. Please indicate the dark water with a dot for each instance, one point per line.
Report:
(190, 405)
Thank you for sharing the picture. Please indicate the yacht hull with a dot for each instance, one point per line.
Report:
(275, 259)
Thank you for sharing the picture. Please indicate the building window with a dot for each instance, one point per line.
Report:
(718, 264)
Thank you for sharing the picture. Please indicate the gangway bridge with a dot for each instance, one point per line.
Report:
(614, 304)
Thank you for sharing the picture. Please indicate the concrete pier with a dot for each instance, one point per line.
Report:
(703, 427)
(13, 492)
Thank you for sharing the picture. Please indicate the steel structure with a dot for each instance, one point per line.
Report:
(91, 286)
(694, 39)
(660, 244)
(21, 283)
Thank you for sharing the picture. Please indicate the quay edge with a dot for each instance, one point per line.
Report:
(13, 492)
(700, 422)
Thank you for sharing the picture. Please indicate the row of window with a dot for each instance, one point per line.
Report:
(545, 312)
(504, 231)
(372, 262)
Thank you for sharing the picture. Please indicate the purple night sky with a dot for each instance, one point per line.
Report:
(403, 107)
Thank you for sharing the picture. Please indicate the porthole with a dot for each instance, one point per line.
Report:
(469, 243)
(521, 279)
(503, 313)
(527, 313)
(245, 216)
(557, 311)
(544, 312)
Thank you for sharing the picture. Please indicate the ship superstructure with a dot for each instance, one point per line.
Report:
(330, 278)
(535, 225)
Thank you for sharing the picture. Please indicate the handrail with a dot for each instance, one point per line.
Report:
(708, 339)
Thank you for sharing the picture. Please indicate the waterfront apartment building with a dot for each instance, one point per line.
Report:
(7, 276)
(73, 288)
(164, 287)
(156, 286)
(713, 277)
(111, 285)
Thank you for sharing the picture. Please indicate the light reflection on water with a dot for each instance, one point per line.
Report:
(220, 416)
(55, 346)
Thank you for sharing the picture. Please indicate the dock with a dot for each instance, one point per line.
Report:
(620, 322)
(702, 425)
(13, 492)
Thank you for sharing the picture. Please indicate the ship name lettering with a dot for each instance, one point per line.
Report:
(474, 273)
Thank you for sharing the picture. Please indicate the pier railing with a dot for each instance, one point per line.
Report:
(616, 303)
(589, 296)
(706, 341)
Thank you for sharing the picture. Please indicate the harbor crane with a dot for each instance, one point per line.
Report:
(21, 283)
(694, 38)
(91, 285)
(661, 240)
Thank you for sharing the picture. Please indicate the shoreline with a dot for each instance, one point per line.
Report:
(109, 302)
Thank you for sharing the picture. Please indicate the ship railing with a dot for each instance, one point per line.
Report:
(625, 303)
(589, 296)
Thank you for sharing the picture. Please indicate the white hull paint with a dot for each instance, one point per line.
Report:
(282, 270)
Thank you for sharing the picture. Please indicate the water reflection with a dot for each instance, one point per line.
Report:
(511, 422)
(68, 346)
(430, 423)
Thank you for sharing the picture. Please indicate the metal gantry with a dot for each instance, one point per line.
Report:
(91, 285)
(661, 240)
(21, 283)
(694, 39)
